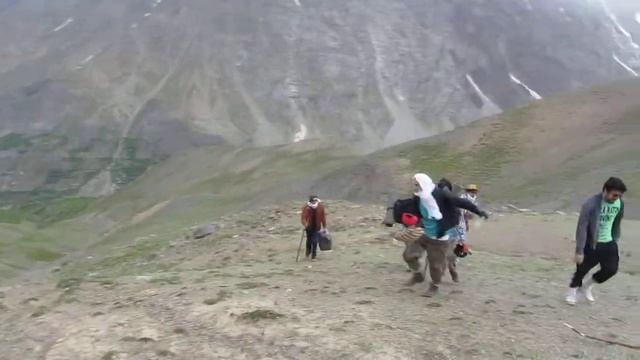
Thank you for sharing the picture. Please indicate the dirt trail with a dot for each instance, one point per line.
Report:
(240, 295)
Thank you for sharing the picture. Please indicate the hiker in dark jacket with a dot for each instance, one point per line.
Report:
(456, 235)
(314, 220)
(597, 234)
(440, 213)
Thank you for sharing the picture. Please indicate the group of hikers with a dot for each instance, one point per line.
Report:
(436, 222)
(436, 225)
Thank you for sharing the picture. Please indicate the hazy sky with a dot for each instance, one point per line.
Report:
(626, 5)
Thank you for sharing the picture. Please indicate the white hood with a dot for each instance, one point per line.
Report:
(428, 201)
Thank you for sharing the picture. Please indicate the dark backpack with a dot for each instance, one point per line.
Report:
(411, 206)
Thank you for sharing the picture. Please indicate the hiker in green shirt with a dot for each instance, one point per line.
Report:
(596, 239)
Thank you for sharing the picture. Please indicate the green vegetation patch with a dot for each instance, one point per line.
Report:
(133, 254)
(166, 279)
(62, 209)
(631, 117)
(484, 160)
(41, 254)
(130, 147)
(125, 171)
(33, 247)
(135, 259)
(261, 314)
(13, 141)
(69, 283)
(45, 209)
(12, 216)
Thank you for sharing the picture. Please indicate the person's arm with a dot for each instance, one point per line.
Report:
(467, 205)
(616, 230)
(323, 216)
(406, 236)
(583, 228)
(304, 219)
(398, 235)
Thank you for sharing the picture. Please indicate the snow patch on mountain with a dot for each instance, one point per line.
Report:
(533, 94)
(487, 103)
(63, 25)
(625, 66)
(618, 26)
(301, 134)
(87, 59)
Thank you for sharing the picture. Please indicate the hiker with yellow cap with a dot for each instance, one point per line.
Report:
(470, 193)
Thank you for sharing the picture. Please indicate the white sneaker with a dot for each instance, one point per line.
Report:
(586, 289)
(572, 296)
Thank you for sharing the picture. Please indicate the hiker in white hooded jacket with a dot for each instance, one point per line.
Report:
(597, 238)
(439, 213)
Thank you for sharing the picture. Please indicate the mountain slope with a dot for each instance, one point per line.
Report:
(92, 94)
(186, 190)
(548, 156)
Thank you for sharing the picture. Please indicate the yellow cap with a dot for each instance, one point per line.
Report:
(472, 187)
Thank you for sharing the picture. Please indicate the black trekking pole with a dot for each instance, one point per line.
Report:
(300, 246)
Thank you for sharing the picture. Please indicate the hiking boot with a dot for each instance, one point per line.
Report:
(416, 278)
(454, 276)
(431, 291)
(587, 293)
(572, 296)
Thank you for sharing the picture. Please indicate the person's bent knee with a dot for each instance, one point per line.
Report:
(610, 271)
(605, 274)
(411, 260)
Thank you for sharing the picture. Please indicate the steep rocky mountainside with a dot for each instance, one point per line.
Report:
(627, 13)
(94, 92)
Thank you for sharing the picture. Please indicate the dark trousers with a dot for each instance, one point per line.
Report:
(605, 254)
(312, 243)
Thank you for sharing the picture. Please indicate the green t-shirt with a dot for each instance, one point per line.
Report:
(608, 213)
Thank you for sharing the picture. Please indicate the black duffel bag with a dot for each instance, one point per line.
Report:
(325, 241)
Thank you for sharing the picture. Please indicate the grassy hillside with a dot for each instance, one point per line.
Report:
(550, 154)
(194, 188)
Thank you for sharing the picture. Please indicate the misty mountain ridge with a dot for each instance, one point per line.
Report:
(93, 93)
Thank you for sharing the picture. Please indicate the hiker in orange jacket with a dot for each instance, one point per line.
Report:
(314, 220)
